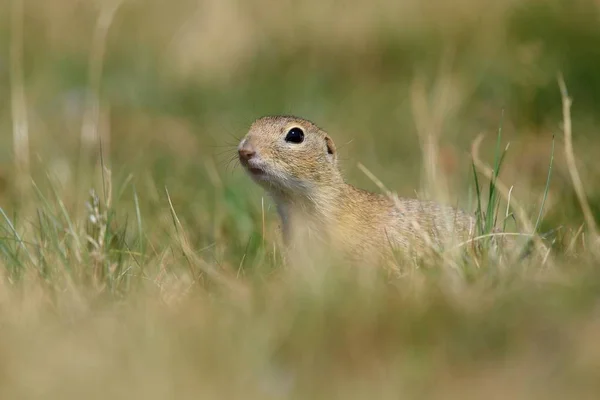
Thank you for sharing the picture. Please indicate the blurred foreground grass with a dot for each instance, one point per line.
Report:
(166, 282)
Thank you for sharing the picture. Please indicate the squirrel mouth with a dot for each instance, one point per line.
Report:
(252, 168)
(255, 170)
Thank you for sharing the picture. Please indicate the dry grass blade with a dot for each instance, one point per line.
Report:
(429, 120)
(89, 129)
(573, 242)
(570, 159)
(235, 287)
(18, 101)
(490, 235)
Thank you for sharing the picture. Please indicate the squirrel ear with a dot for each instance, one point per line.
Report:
(330, 146)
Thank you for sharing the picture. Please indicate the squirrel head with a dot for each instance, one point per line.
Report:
(289, 154)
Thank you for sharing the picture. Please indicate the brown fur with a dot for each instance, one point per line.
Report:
(314, 201)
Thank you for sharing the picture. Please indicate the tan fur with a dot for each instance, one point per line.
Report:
(315, 202)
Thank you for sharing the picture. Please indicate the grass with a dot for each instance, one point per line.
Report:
(149, 267)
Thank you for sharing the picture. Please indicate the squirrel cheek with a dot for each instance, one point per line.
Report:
(293, 170)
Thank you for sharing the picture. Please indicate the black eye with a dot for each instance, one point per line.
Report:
(295, 135)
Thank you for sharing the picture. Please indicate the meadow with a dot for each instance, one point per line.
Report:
(137, 260)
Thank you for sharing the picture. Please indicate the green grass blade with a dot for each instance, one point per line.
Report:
(495, 201)
(138, 216)
(546, 190)
(478, 193)
(498, 156)
(17, 236)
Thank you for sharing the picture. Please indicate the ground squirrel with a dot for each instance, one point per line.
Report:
(296, 163)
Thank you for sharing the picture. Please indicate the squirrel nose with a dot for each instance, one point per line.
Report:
(247, 151)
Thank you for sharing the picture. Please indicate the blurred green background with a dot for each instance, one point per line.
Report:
(181, 80)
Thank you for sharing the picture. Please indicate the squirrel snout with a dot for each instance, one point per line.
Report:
(246, 151)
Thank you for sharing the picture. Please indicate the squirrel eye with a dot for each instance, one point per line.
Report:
(295, 135)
